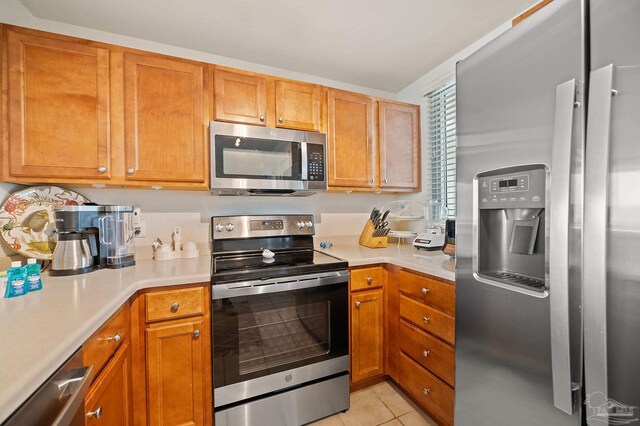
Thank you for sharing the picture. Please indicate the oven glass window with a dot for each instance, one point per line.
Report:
(256, 335)
(257, 158)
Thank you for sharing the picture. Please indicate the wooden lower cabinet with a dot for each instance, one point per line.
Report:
(175, 374)
(109, 400)
(367, 335)
(435, 396)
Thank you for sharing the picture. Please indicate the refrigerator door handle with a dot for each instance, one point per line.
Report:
(595, 232)
(563, 389)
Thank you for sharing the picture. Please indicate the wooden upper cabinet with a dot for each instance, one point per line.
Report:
(399, 133)
(350, 145)
(240, 98)
(297, 106)
(367, 335)
(109, 400)
(176, 373)
(165, 119)
(58, 108)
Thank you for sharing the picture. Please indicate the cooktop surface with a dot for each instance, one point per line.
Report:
(252, 266)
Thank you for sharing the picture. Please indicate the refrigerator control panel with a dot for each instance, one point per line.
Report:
(524, 187)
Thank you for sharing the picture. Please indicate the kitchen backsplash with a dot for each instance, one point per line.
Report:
(335, 213)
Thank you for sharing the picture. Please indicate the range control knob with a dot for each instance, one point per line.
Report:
(300, 224)
(308, 224)
(219, 227)
(229, 227)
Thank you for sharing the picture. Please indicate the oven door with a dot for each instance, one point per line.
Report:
(272, 335)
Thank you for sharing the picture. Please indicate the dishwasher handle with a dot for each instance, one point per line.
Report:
(77, 387)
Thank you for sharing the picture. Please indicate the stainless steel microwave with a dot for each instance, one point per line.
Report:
(252, 160)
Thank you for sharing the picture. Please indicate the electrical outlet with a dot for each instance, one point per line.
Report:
(141, 229)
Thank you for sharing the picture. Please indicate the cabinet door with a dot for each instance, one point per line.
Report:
(58, 108)
(109, 400)
(297, 106)
(240, 98)
(164, 119)
(175, 374)
(367, 335)
(351, 149)
(399, 132)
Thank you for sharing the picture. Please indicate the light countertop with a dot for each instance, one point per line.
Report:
(405, 255)
(42, 329)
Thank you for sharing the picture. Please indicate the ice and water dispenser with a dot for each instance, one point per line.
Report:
(509, 242)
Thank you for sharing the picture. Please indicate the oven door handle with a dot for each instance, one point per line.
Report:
(225, 291)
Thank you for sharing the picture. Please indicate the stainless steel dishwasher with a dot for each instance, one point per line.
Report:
(60, 400)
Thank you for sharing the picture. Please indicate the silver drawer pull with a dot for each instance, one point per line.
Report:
(262, 118)
(426, 319)
(425, 291)
(426, 391)
(96, 413)
(425, 353)
(357, 304)
(281, 119)
(175, 306)
(102, 169)
(369, 280)
(196, 333)
(115, 338)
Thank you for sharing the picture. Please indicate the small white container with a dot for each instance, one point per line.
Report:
(190, 250)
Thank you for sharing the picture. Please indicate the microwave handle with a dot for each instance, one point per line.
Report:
(304, 161)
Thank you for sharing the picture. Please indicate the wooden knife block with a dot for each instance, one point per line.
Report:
(368, 240)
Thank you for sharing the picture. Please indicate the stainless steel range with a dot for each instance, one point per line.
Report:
(280, 323)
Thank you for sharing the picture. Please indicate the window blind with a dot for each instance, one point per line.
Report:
(442, 144)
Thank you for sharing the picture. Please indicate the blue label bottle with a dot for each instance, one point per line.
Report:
(33, 275)
(16, 280)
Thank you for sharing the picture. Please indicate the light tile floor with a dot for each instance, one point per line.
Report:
(382, 404)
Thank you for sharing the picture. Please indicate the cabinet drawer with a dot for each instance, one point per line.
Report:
(432, 393)
(169, 304)
(428, 351)
(101, 346)
(429, 319)
(367, 278)
(429, 291)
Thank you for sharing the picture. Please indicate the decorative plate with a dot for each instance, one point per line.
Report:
(26, 219)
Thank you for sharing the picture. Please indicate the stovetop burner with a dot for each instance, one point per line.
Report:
(238, 243)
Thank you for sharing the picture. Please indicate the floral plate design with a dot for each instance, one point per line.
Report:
(26, 219)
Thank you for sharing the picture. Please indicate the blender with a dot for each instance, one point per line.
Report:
(434, 237)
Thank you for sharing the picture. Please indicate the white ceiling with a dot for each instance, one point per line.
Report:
(381, 44)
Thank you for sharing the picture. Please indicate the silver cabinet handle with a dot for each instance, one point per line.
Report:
(426, 319)
(426, 391)
(262, 118)
(385, 180)
(596, 225)
(281, 119)
(559, 246)
(97, 413)
(369, 280)
(102, 169)
(357, 304)
(371, 180)
(196, 333)
(130, 170)
(175, 306)
(115, 338)
(424, 291)
(425, 353)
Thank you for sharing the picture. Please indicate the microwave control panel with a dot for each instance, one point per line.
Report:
(315, 162)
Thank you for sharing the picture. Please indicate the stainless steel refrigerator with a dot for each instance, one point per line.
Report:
(548, 225)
